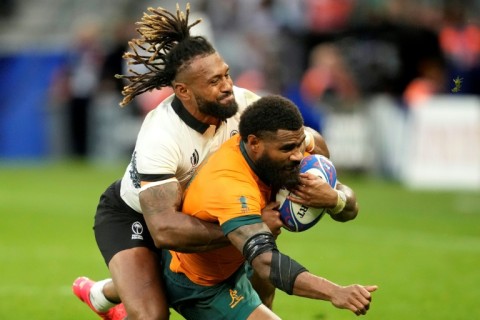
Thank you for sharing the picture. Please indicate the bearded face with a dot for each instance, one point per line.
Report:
(217, 109)
(278, 173)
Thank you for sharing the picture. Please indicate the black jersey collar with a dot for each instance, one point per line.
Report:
(251, 164)
(186, 117)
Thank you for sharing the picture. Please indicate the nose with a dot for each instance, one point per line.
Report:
(227, 85)
(297, 155)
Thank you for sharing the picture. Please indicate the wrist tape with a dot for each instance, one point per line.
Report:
(341, 202)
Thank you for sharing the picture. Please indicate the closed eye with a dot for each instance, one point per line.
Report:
(289, 147)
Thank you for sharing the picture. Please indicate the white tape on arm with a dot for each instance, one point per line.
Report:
(341, 202)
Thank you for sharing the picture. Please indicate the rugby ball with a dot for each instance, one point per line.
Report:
(297, 217)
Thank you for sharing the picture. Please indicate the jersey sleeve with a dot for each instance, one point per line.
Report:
(244, 98)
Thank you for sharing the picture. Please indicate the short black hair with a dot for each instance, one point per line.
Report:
(268, 115)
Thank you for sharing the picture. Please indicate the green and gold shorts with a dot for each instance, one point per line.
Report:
(234, 298)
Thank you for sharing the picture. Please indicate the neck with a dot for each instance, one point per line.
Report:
(249, 156)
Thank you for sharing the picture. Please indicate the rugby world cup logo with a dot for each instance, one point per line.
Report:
(137, 230)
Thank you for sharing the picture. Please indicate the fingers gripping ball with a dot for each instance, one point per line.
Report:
(298, 217)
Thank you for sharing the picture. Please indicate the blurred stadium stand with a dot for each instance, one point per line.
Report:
(357, 79)
(25, 81)
(35, 37)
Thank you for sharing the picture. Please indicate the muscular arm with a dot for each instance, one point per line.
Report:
(174, 230)
(354, 297)
(262, 263)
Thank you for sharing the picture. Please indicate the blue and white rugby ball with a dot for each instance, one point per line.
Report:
(298, 217)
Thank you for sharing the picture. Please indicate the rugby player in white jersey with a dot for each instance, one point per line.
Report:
(138, 213)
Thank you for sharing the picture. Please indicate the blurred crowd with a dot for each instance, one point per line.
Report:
(326, 55)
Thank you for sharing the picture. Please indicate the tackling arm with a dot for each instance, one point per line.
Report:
(174, 230)
(320, 146)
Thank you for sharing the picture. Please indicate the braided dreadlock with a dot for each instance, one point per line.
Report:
(169, 49)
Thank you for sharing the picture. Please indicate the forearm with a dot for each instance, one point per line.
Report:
(259, 249)
(184, 233)
(282, 272)
(302, 283)
(174, 230)
(310, 286)
(355, 298)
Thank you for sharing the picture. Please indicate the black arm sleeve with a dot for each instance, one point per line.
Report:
(283, 269)
(258, 244)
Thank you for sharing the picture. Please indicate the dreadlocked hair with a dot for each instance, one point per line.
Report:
(164, 48)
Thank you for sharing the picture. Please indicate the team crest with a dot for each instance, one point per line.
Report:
(236, 298)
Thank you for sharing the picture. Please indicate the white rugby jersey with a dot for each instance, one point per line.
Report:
(172, 144)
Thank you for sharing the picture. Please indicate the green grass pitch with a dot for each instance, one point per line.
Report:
(421, 248)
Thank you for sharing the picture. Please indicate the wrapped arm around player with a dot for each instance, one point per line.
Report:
(173, 230)
(170, 229)
(315, 143)
(259, 248)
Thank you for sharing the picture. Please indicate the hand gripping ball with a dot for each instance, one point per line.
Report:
(298, 217)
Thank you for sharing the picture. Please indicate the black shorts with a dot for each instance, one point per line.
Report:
(117, 226)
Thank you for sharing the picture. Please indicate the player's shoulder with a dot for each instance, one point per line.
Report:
(244, 96)
(162, 110)
(162, 129)
(163, 118)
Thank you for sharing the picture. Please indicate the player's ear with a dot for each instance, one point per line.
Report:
(253, 142)
(181, 90)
